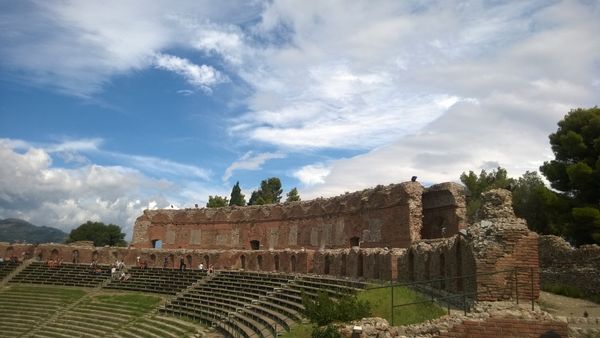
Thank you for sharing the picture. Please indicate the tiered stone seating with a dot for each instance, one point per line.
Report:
(22, 307)
(66, 274)
(7, 267)
(158, 326)
(252, 304)
(158, 280)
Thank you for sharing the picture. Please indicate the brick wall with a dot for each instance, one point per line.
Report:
(507, 328)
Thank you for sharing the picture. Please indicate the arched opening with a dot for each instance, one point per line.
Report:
(411, 265)
(54, 254)
(189, 260)
(376, 266)
(359, 265)
(259, 262)
(442, 271)
(293, 263)
(153, 260)
(75, 257)
(354, 241)
(207, 261)
(343, 267)
(327, 264)
(276, 260)
(242, 261)
(427, 269)
(115, 255)
(459, 267)
(157, 243)
(254, 244)
(95, 256)
(171, 261)
(9, 252)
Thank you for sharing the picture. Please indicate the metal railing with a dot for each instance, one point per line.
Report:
(442, 291)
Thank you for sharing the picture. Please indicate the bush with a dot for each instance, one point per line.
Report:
(323, 310)
(328, 331)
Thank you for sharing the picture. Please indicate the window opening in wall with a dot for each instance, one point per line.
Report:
(254, 245)
(359, 265)
(293, 263)
(354, 241)
(442, 271)
(242, 261)
(411, 265)
(157, 244)
(276, 260)
(259, 261)
(327, 264)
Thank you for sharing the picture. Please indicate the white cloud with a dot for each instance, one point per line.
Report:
(199, 76)
(312, 174)
(250, 161)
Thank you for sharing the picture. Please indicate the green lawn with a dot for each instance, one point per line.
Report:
(299, 331)
(381, 301)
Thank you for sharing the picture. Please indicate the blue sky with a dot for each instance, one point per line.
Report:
(111, 107)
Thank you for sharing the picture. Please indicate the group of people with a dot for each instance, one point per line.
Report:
(54, 263)
(210, 271)
(12, 259)
(94, 268)
(117, 271)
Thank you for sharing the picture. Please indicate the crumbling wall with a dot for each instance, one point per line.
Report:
(561, 263)
(385, 216)
(444, 210)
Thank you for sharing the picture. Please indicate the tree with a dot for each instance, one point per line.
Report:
(269, 192)
(237, 198)
(293, 195)
(485, 181)
(217, 202)
(542, 208)
(98, 232)
(575, 171)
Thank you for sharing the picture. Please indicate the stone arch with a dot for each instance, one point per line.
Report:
(9, 252)
(54, 254)
(95, 255)
(276, 261)
(153, 260)
(259, 262)
(75, 256)
(427, 268)
(293, 263)
(171, 260)
(242, 261)
(188, 260)
(206, 259)
(327, 263)
(359, 265)
(411, 265)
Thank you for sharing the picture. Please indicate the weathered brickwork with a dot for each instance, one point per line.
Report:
(563, 264)
(390, 216)
(507, 328)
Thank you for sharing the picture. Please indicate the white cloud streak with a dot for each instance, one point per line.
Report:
(202, 76)
(250, 161)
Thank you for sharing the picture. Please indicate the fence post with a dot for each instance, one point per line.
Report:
(517, 284)
(392, 291)
(532, 303)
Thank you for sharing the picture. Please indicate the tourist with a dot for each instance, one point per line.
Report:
(165, 262)
(113, 272)
(201, 267)
(211, 269)
(182, 263)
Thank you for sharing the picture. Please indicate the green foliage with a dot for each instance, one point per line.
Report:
(478, 184)
(269, 192)
(217, 202)
(237, 198)
(98, 232)
(323, 310)
(543, 209)
(328, 331)
(576, 172)
(293, 195)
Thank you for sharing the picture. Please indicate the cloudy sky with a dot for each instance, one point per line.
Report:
(111, 107)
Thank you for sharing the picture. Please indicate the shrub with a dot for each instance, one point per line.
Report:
(328, 331)
(323, 310)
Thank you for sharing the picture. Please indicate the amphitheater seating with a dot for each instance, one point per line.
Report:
(22, 307)
(66, 274)
(7, 267)
(157, 280)
(252, 304)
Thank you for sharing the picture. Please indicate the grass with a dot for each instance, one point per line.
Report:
(381, 303)
(299, 331)
(569, 291)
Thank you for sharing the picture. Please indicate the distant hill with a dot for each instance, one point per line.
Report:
(12, 230)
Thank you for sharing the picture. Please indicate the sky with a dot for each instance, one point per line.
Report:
(108, 108)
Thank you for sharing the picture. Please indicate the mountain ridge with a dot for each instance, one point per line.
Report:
(18, 230)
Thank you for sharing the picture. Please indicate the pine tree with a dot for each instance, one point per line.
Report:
(237, 198)
(293, 195)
